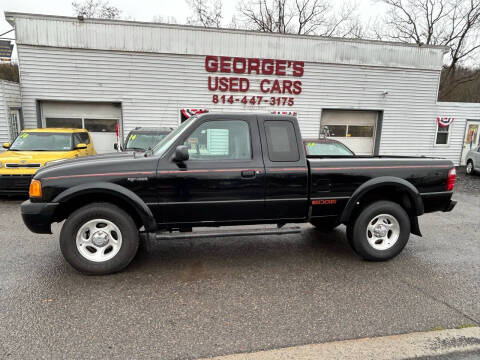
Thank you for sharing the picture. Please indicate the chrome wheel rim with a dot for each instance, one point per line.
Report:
(99, 240)
(383, 231)
(469, 168)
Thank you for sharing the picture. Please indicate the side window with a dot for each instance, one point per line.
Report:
(281, 141)
(76, 139)
(220, 140)
(84, 138)
(442, 135)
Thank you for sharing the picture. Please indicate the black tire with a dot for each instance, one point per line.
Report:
(324, 225)
(112, 213)
(358, 236)
(469, 170)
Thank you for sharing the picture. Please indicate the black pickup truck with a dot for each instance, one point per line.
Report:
(232, 169)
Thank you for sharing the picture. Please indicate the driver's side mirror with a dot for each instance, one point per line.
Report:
(6, 145)
(181, 154)
(81, 146)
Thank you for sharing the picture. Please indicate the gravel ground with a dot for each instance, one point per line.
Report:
(467, 183)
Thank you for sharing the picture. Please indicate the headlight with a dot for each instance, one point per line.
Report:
(35, 190)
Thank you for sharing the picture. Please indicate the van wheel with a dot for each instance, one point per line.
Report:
(469, 168)
(99, 239)
(381, 231)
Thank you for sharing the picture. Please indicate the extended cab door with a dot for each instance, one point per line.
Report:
(286, 188)
(224, 178)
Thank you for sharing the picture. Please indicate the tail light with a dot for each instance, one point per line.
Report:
(452, 175)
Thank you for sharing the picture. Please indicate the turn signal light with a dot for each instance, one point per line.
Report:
(35, 189)
(452, 176)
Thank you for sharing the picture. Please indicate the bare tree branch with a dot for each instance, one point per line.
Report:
(96, 9)
(316, 17)
(208, 13)
(452, 23)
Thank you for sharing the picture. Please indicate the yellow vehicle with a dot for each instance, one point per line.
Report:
(35, 148)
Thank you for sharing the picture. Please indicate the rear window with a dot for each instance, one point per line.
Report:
(327, 149)
(281, 141)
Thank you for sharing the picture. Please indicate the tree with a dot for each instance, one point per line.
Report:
(451, 23)
(164, 19)
(9, 72)
(208, 13)
(100, 9)
(315, 17)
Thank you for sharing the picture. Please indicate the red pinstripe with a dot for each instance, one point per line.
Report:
(257, 170)
(104, 174)
(286, 169)
(383, 167)
(205, 171)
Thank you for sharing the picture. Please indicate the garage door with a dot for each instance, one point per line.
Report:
(100, 119)
(356, 129)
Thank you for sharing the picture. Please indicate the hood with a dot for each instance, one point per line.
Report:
(93, 159)
(33, 156)
(85, 164)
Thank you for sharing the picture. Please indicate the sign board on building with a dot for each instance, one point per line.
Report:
(254, 81)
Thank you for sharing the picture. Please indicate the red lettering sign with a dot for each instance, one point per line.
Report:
(324, 202)
(278, 91)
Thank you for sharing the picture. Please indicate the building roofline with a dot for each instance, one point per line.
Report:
(10, 17)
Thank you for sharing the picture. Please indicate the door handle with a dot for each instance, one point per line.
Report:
(248, 173)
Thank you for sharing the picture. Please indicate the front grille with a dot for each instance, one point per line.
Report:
(15, 182)
(22, 165)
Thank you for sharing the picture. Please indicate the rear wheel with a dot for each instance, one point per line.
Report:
(380, 232)
(469, 169)
(99, 239)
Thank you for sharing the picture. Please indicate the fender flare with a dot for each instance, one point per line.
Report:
(381, 181)
(115, 190)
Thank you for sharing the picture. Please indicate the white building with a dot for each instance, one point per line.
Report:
(10, 111)
(377, 97)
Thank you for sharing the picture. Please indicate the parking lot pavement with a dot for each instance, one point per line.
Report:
(188, 299)
(467, 183)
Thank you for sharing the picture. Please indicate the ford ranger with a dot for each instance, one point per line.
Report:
(232, 169)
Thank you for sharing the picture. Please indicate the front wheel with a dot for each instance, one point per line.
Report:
(469, 168)
(99, 239)
(381, 231)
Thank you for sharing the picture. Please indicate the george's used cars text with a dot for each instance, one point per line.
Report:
(232, 169)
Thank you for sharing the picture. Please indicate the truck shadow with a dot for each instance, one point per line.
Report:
(194, 257)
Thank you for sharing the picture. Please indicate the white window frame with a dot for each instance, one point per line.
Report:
(437, 126)
(13, 133)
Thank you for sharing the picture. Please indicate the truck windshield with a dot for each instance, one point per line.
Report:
(42, 141)
(327, 149)
(144, 140)
(168, 140)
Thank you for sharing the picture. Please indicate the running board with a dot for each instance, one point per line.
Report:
(226, 233)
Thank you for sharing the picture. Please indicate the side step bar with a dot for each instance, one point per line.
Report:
(226, 233)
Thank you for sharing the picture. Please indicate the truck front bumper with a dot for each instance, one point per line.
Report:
(38, 216)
